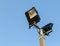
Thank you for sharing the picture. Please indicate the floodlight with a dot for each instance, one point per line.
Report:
(47, 28)
(32, 16)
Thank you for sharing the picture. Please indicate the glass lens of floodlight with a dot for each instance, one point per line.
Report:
(32, 13)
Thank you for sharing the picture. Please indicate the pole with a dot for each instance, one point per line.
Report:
(42, 39)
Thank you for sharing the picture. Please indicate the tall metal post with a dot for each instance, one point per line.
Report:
(41, 38)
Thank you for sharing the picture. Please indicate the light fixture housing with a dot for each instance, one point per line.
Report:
(47, 28)
(32, 16)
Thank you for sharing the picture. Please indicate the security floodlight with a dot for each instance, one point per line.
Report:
(47, 28)
(32, 16)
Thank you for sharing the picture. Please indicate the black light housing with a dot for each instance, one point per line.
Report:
(32, 16)
(47, 28)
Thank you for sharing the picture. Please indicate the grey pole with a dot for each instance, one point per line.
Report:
(41, 38)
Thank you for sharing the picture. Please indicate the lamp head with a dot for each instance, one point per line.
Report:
(47, 28)
(32, 16)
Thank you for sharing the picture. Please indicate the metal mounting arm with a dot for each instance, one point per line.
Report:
(36, 26)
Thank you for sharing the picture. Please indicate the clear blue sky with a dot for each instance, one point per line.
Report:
(14, 29)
